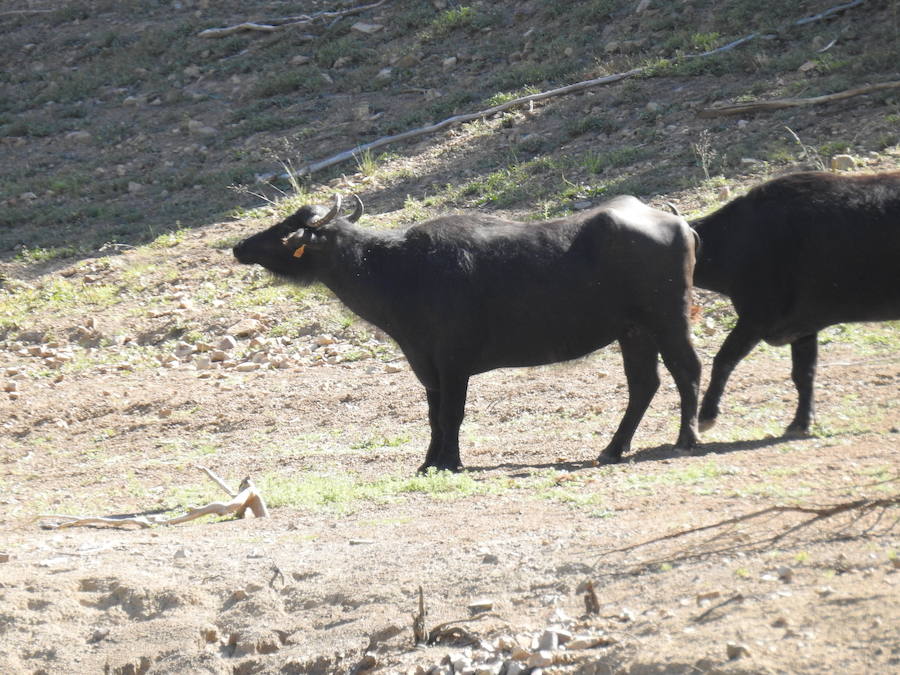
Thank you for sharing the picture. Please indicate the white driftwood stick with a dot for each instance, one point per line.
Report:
(218, 481)
(247, 498)
(284, 22)
(781, 103)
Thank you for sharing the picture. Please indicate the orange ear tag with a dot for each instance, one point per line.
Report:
(300, 251)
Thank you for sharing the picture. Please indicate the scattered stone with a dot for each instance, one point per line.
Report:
(341, 62)
(134, 187)
(300, 60)
(210, 634)
(481, 605)
(653, 107)
(203, 363)
(198, 128)
(780, 622)
(724, 193)
(5, 557)
(735, 650)
(79, 136)
(227, 343)
(549, 641)
(217, 355)
(540, 659)
(586, 642)
(582, 205)
(842, 163)
(385, 74)
(247, 367)
(182, 552)
(366, 28)
(786, 574)
(449, 63)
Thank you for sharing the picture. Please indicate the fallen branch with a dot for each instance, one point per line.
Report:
(859, 507)
(531, 99)
(248, 497)
(460, 119)
(273, 25)
(780, 104)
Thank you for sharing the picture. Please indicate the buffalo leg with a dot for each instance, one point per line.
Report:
(804, 353)
(639, 356)
(737, 345)
(680, 358)
(434, 405)
(446, 408)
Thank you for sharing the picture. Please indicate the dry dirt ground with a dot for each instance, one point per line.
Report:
(329, 583)
(118, 123)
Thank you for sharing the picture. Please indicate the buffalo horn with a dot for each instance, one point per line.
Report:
(357, 210)
(332, 212)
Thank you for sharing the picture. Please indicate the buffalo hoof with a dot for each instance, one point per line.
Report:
(426, 468)
(796, 431)
(706, 425)
(608, 458)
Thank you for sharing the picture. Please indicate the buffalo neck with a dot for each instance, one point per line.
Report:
(364, 270)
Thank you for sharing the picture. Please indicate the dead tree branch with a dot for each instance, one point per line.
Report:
(859, 508)
(247, 498)
(780, 104)
(346, 155)
(273, 25)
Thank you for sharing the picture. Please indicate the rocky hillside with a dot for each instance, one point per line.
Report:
(120, 125)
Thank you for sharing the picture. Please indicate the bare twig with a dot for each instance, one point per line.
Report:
(781, 103)
(737, 597)
(273, 25)
(863, 506)
(27, 11)
(420, 633)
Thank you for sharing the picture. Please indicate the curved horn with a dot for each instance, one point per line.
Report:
(357, 210)
(328, 217)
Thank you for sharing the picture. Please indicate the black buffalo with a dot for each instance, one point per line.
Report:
(464, 294)
(795, 255)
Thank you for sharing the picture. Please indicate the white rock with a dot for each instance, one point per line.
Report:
(134, 187)
(540, 659)
(842, 163)
(449, 63)
(367, 28)
(217, 355)
(481, 605)
(549, 641)
(80, 136)
(245, 328)
(203, 363)
(247, 366)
